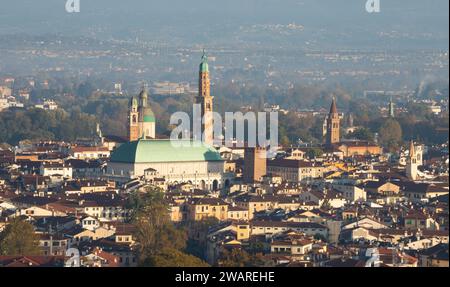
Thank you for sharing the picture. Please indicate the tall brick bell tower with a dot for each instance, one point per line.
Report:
(333, 125)
(205, 99)
(133, 120)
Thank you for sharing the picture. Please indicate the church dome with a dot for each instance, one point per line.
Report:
(148, 115)
(153, 151)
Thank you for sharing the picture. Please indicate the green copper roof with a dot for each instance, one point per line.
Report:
(204, 68)
(148, 115)
(152, 151)
(149, 119)
(204, 64)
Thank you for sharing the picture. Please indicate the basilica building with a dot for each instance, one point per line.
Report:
(195, 162)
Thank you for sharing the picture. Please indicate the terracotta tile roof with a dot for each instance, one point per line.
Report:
(32, 261)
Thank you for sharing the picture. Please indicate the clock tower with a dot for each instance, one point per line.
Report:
(205, 100)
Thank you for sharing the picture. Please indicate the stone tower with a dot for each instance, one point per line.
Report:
(411, 165)
(147, 121)
(205, 100)
(391, 108)
(133, 124)
(255, 164)
(141, 119)
(332, 125)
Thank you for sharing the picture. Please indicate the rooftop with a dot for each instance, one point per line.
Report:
(152, 151)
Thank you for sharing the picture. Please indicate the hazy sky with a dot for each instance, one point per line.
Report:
(196, 18)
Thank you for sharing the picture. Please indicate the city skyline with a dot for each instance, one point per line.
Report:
(271, 135)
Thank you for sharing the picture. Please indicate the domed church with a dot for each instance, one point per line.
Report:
(192, 161)
(141, 119)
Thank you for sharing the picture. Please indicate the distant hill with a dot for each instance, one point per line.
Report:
(329, 23)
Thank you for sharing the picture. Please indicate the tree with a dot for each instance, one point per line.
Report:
(362, 134)
(161, 243)
(154, 229)
(84, 90)
(420, 111)
(256, 247)
(314, 153)
(140, 203)
(170, 257)
(238, 257)
(197, 231)
(38, 124)
(19, 238)
(391, 134)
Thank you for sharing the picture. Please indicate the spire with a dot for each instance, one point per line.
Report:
(143, 96)
(411, 149)
(133, 102)
(204, 56)
(391, 108)
(333, 108)
(99, 131)
(204, 64)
